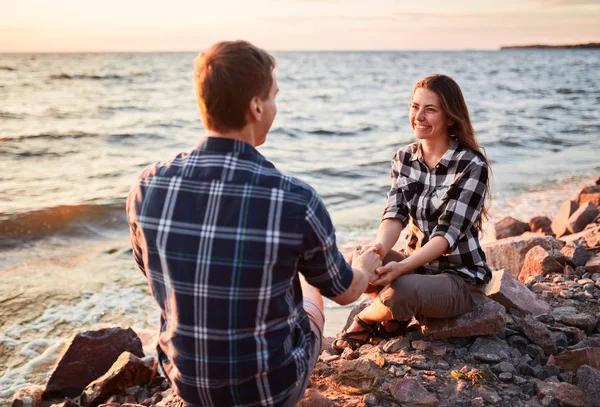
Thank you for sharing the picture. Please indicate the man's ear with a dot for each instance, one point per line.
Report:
(255, 108)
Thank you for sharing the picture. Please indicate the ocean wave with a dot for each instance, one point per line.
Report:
(554, 107)
(64, 76)
(323, 132)
(7, 68)
(51, 136)
(10, 115)
(127, 136)
(569, 91)
(73, 219)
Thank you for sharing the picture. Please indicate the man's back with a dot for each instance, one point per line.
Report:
(221, 234)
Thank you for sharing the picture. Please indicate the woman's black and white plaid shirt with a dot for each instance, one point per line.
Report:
(443, 201)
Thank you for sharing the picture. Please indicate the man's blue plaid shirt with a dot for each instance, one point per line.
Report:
(220, 234)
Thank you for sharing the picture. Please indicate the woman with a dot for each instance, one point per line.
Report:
(439, 188)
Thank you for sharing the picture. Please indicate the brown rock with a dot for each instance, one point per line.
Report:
(541, 224)
(409, 391)
(508, 227)
(582, 217)
(568, 395)
(589, 194)
(589, 236)
(560, 224)
(572, 359)
(593, 265)
(586, 322)
(539, 262)
(509, 254)
(66, 403)
(28, 397)
(506, 290)
(576, 253)
(588, 380)
(87, 356)
(538, 333)
(127, 371)
(487, 318)
(354, 375)
(312, 398)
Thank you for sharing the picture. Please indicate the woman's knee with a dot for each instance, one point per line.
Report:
(401, 297)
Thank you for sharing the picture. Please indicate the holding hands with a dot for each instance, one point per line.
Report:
(366, 260)
(383, 275)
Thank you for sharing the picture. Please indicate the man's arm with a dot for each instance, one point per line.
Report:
(363, 268)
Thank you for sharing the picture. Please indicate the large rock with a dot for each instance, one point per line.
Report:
(354, 375)
(538, 333)
(87, 356)
(491, 345)
(541, 224)
(508, 227)
(582, 217)
(509, 254)
(488, 318)
(572, 359)
(126, 372)
(576, 253)
(506, 290)
(589, 194)
(560, 225)
(570, 316)
(593, 265)
(410, 392)
(539, 262)
(568, 395)
(588, 380)
(312, 398)
(589, 236)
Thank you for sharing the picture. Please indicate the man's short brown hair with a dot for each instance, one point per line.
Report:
(227, 76)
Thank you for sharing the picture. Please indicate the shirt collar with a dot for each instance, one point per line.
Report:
(226, 145)
(446, 158)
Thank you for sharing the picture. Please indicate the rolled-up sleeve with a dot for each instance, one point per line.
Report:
(396, 206)
(465, 199)
(321, 263)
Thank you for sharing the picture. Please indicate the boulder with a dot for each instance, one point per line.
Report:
(127, 371)
(87, 356)
(491, 345)
(568, 395)
(508, 227)
(539, 262)
(28, 397)
(570, 316)
(354, 375)
(593, 264)
(506, 290)
(509, 254)
(577, 254)
(589, 236)
(409, 391)
(538, 333)
(312, 398)
(589, 194)
(560, 225)
(573, 359)
(588, 380)
(582, 217)
(541, 224)
(488, 318)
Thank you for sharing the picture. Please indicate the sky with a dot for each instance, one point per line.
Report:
(184, 25)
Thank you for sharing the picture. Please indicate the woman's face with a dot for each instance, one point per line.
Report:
(427, 119)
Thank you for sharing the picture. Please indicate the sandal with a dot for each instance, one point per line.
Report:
(351, 337)
(382, 333)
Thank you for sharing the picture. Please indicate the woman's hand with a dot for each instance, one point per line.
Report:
(389, 272)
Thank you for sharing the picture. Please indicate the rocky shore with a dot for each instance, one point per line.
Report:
(534, 342)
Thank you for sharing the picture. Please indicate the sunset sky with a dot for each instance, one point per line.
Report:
(181, 25)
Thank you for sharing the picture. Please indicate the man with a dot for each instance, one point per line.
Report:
(221, 235)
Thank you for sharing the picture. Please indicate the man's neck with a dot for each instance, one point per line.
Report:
(246, 135)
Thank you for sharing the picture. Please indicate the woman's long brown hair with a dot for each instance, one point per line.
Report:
(454, 105)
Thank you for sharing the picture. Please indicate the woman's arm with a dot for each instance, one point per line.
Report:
(431, 251)
(387, 235)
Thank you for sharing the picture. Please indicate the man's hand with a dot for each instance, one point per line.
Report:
(366, 261)
(389, 272)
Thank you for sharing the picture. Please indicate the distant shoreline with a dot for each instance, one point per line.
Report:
(591, 45)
